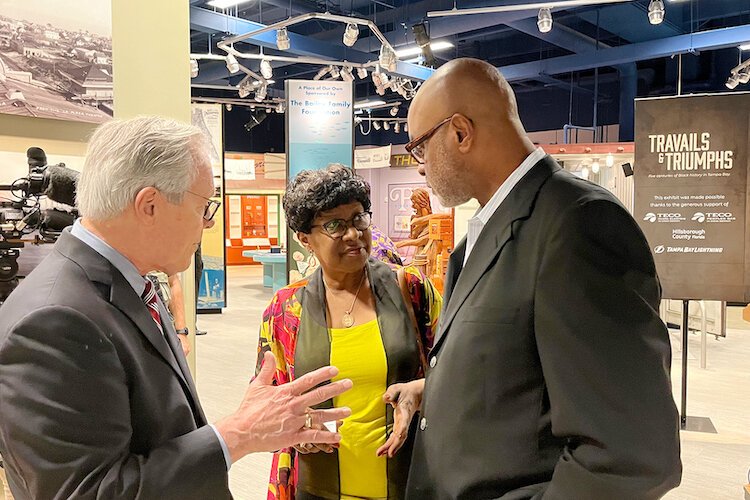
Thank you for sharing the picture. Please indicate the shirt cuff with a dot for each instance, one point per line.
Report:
(224, 449)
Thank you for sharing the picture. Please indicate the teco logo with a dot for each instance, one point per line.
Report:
(670, 216)
(659, 249)
(650, 217)
(720, 215)
(699, 216)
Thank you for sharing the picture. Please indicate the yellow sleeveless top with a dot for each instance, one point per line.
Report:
(359, 355)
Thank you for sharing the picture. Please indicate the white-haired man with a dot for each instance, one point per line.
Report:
(95, 395)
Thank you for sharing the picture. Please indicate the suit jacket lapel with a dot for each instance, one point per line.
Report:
(126, 300)
(187, 378)
(455, 265)
(495, 235)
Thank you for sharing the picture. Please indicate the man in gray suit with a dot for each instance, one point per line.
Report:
(95, 394)
(550, 372)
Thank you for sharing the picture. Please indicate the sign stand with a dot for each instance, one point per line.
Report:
(695, 424)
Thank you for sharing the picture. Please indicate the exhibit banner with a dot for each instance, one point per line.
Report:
(56, 62)
(691, 174)
(319, 131)
(212, 290)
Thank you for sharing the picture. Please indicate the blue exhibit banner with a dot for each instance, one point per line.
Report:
(319, 131)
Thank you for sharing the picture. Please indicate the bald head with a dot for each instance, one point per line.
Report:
(470, 136)
(471, 87)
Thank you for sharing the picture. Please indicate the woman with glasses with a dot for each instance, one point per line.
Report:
(350, 313)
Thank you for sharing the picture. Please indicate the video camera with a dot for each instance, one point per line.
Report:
(22, 213)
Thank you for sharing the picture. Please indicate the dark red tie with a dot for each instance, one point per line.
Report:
(149, 297)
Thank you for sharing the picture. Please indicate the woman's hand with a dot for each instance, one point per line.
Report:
(406, 400)
(306, 448)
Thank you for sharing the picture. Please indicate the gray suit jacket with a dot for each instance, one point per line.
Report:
(94, 402)
(551, 366)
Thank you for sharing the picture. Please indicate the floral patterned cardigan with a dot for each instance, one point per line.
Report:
(294, 328)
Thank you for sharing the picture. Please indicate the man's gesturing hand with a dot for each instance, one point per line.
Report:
(274, 417)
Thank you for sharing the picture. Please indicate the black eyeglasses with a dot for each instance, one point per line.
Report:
(337, 228)
(416, 147)
(211, 207)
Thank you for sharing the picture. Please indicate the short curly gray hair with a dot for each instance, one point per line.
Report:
(314, 191)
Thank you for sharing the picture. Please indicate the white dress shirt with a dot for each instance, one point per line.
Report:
(485, 213)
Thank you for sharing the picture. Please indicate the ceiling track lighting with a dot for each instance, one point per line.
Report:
(352, 25)
(544, 20)
(334, 71)
(520, 7)
(386, 126)
(376, 125)
(656, 11)
(397, 127)
(260, 94)
(351, 33)
(282, 39)
(394, 110)
(194, 68)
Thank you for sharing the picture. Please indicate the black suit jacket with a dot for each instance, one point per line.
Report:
(551, 366)
(94, 402)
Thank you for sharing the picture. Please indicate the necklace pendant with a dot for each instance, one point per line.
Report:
(347, 320)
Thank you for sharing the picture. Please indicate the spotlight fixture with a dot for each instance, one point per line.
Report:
(232, 65)
(282, 39)
(351, 33)
(406, 127)
(397, 127)
(386, 126)
(744, 76)
(595, 166)
(334, 71)
(193, 68)
(362, 73)
(384, 80)
(656, 12)
(323, 72)
(228, 107)
(265, 69)
(733, 81)
(376, 125)
(261, 93)
(244, 89)
(610, 160)
(255, 119)
(544, 20)
(346, 74)
(387, 58)
(423, 42)
(394, 111)
(280, 107)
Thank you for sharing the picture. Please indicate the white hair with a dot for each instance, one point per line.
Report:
(125, 156)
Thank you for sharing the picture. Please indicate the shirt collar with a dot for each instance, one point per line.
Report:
(121, 263)
(485, 213)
